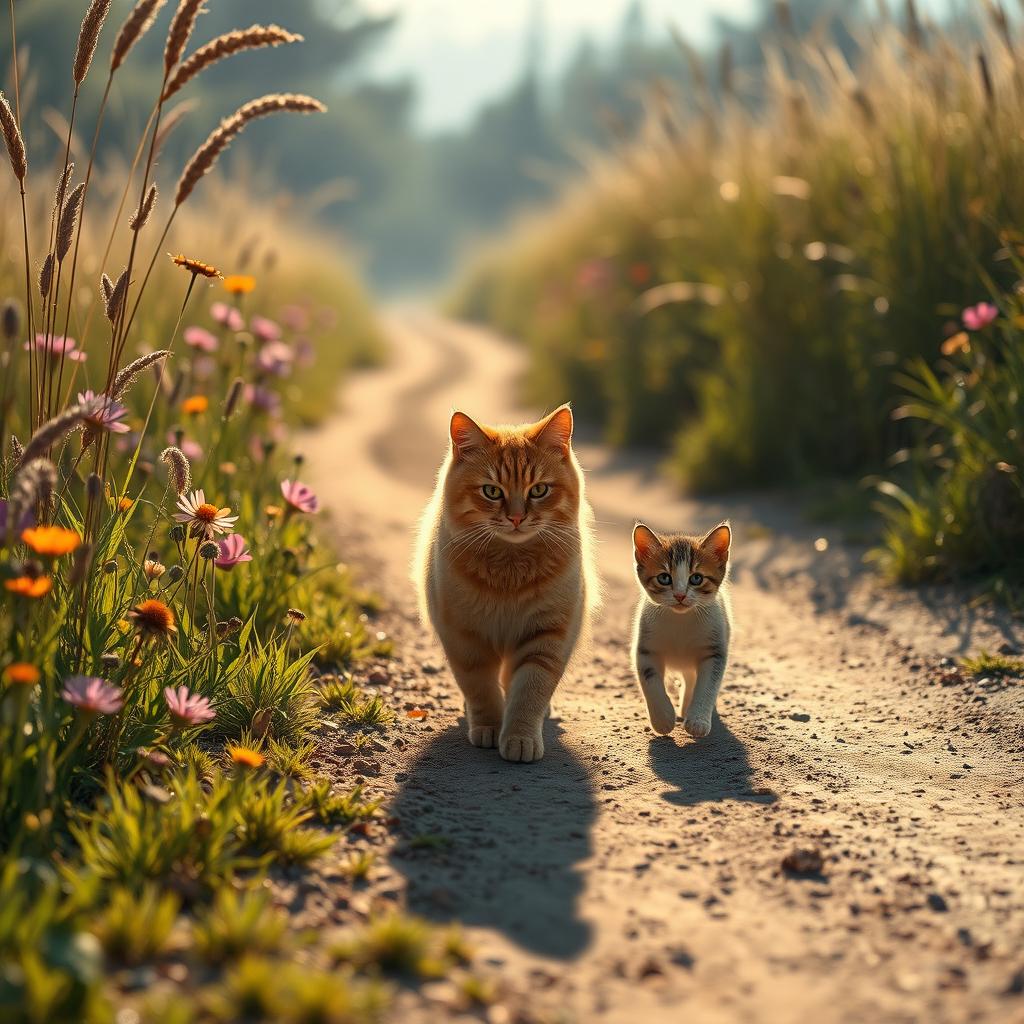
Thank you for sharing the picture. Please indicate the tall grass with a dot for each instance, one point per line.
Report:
(744, 282)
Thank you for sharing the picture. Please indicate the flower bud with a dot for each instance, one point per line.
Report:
(94, 487)
(110, 566)
(175, 573)
(110, 661)
(11, 319)
(209, 550)
(177, 533)
(80, 564)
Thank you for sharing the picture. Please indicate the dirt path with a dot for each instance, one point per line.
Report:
(634, 878)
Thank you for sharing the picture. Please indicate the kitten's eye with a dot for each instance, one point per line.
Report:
(539, 490)
(696, 579)
(664, 579)
(491, 491)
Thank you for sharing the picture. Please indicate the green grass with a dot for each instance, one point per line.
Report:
(985, 664)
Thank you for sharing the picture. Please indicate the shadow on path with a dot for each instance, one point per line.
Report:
(496, 845)
(707, 771)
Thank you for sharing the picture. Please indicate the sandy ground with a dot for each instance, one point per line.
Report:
(634, 878)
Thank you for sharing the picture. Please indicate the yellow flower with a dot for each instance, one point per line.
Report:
(51, 541)
(194, 267)
(30, 586)
(245, 756)
(21, 673)
(239, 284)
(153, 618)
(195, 404)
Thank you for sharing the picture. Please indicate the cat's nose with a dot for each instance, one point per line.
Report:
(679, 597)
(515, 518)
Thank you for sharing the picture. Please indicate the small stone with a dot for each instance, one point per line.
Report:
(799, 717)
(803, 862)
(937, 903)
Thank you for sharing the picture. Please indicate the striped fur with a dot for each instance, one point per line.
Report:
(505, 575)
(683, 622)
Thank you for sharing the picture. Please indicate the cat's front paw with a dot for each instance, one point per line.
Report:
(696, 726)
(521, 747)
(483, 736)
(663, 717)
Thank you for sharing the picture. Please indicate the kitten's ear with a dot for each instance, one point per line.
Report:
(718, 541)
(644, 542)
(465, 433)
(554, 431)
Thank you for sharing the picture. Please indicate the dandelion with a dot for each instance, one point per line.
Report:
(978, 317)
(245, 757)
(300, 497)
(239, 284)
(205, 519)
(51, 541)
(153, 618)
(29, 586)
(102, 413)
(194, 405)
(21, 673)
(56, 348)
(232, 551)
(92, 695)
(227, 316)
(187, 709)
(265, 329)
(200, 339)
(195, 267)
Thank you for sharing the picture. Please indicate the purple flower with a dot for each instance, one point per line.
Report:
(192, 451)
(227, 316)
(275, 357)
(58, 348)
(296, 318)
(299, 496)
(104, 413)
(263, 399)
(200, 338)
(264, 329)
(187, 709)
(980, 316)
(305, 352)
(92, 695)
(232, 551)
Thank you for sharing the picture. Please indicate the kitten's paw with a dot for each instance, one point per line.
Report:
(698, 728)
(663, 719)
(522, 748)
(483, 736)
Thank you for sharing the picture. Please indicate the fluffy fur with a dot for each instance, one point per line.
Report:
(504, 571)
(683, 622)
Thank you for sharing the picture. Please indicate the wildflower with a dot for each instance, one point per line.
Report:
(232, 551)
(21, 673)
(124, 504)
(29, 586)
(296, 317)
(273, 511)
(195, 404)
(56, 348)
(187, 709)
(245, 756)
(227, 316)
(977, 317)
(204, 518)
(189, 448)
(92, 695)
(51, 541)
(300, 497)
(263, 399)
(959, 342)
(229, 628)
(209, 550)
(239, 284)
(175, 573)
(104, 413)
(153, 569)
(201, 339)
(153, 618)
(294, 616)
(265, 329)
(276, 358)
(195, 267)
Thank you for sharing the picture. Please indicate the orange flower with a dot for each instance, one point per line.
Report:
(195, 404)
(246, 757)
(153, 618)
(30, 586)
(22, 674)
(194, 267)
(124, 504)
(51, 541)
(239, 284)
(960, 342)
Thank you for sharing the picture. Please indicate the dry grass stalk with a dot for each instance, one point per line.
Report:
(179, 471)
(108, 287)
(141, 215)
(13, 140)
(135, 26)
(115, 300)
(88, 37)
(52, 431)
(62, 189)
(252, 38)
(32, 486)
(68, 220)
(46, 275)
(208, 153)
(170, 122)
(127, 376)
(182, 23)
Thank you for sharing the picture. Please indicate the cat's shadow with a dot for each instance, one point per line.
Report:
(709, 770)
(496, 845)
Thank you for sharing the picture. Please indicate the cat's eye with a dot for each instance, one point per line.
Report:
(696, 579)
(664, 578)
(491, 491)
(539, 490)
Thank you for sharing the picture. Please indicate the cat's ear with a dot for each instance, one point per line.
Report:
(718, 541)
(465, 433)
(554, 431)
(644, 542)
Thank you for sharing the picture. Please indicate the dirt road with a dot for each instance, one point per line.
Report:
(634, 878)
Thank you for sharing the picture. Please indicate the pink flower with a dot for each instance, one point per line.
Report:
(187, 709)
(203, 367)
(57, 348)
(296, 318)
(232, 551)
(104, 413)
(192, 451)
(305, 352)
(227, 316)
(263, 399)
(275, 357)
(92, 695)
(200, 338)
(980, 316)
(299, 496)
(264, 329)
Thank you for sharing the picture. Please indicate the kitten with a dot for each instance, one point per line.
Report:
(683, 622)
(505, 574)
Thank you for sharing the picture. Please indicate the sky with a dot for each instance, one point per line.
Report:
(462, 52)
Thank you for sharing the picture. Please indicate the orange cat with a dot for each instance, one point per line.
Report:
(504, 572)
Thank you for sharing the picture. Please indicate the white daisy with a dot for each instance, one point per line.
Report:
(205, 519)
